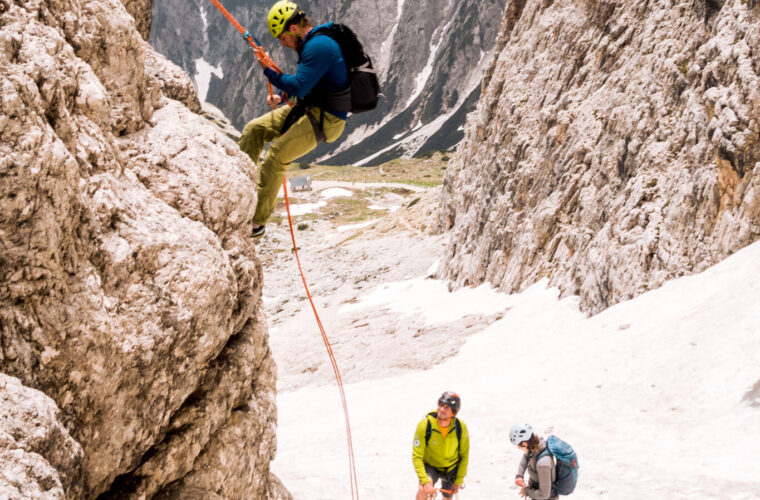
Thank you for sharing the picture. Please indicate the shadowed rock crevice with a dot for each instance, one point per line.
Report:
(712, 7)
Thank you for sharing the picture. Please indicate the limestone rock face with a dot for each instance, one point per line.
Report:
(140, 11)
(38, 456)
(130, 293)
(174, 82)
(616, 145)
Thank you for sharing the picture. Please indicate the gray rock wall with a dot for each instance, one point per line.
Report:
(130, 293)
(616, 145)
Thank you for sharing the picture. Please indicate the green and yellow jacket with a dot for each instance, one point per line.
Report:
(430, 447)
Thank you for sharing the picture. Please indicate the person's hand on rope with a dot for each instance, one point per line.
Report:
(429, 489)
(274, 100)
(454, 489)
(263, 64)
(520, 482)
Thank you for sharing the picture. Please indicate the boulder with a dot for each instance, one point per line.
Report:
(130, 292)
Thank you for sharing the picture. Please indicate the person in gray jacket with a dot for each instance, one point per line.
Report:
(541, 473)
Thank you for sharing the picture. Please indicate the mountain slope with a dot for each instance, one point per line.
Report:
(662, 384)
(430, 57)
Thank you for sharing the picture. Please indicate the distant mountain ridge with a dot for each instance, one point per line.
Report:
(430, 58)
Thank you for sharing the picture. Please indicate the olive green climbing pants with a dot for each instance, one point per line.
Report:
(298, 140)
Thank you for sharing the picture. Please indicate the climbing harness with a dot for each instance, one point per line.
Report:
(264, 58)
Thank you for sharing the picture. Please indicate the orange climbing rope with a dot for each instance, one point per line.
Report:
(441, 490)
(261, 54)
(352, 465)
(267, 61)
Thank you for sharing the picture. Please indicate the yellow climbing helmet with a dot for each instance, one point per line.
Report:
(279, 15)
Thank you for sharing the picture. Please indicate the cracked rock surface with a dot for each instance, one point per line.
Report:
(616, 146)
(39, 457)
(130, 294)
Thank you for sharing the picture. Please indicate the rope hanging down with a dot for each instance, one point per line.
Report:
(264, 58)
(352, 465)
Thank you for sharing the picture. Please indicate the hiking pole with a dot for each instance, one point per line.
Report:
(258, 50)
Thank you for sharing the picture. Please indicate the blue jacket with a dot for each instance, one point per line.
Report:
(320, 56)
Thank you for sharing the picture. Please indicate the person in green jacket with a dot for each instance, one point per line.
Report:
(441, 449)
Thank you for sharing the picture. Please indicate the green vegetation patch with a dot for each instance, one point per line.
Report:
(343, 211)
(340, 211)
(427, 171)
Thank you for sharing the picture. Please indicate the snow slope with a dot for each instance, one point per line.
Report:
(652, 393)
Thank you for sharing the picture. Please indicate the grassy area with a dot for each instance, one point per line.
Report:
(340, 211)
(427, 171)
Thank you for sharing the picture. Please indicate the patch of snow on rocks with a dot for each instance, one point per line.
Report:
(304, 208)
(336, 192)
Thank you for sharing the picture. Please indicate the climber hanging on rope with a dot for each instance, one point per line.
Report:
(363, 93)
(322, 84)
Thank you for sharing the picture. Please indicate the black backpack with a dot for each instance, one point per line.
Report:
(362, 93)
(365, 89)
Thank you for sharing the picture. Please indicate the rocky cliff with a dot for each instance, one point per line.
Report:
(430, 56)
(130, 294)
(616, 145)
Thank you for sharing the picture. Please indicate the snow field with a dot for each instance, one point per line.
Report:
(650, 393)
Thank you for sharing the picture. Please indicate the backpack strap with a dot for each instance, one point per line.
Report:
(429, 430)
(429, 427)
(458, 430)
(542, 454)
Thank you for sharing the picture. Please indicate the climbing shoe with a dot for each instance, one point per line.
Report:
(258, 232)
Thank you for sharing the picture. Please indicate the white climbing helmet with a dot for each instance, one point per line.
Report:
(519, 433)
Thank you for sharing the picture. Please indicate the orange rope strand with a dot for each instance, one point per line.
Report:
(352, 465)
(258, 50)
(264, 58)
